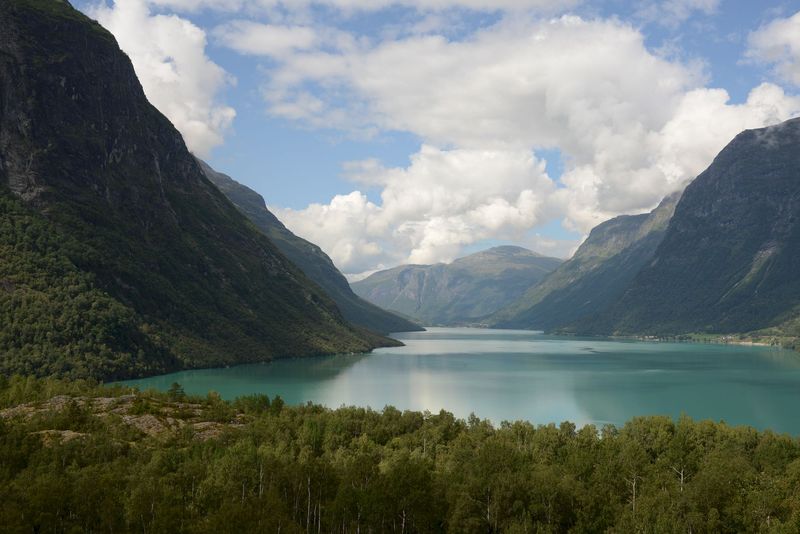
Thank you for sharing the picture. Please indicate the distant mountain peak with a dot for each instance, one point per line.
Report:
(462, 292)
(511, 250)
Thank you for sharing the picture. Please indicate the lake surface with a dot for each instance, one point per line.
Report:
(510, 374)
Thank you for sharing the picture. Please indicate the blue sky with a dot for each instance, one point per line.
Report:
(417, 131)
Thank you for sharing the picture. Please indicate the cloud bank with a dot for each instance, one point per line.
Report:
(778, 44)
(488, 103)
(443, 200)
(255, 6)
(168, 54)
(631, 127)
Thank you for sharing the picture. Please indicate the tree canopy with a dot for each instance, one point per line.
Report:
(78, 457)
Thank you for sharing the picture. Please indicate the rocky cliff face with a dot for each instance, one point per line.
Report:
(463, 292)
(88, 156)
(595, 277)
(309, 257)
(725, 258)
(730, 259)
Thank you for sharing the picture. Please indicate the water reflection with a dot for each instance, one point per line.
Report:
(296, 380)
(508, 375)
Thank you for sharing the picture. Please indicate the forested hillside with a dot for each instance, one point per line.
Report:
(54, 319)
(308, 257)
(119, 257)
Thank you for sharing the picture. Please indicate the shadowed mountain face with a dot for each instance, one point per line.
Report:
(724, 258)
(730, 259)
(462, 292)
(309, 257)
(117, 256)
(595, 277)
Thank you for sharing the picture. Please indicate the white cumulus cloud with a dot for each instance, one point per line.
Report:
(778, 44)
(254, 38)
(369, 5)
(631, 127)
(168, 53)
(630, 124)
(443, 200)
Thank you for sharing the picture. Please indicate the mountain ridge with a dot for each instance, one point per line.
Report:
(730, 258)
(179, 277)
(595, 276)
(722, 257)
(465, 291)
(308, 257)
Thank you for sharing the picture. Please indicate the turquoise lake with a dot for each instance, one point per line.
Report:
(509, 375)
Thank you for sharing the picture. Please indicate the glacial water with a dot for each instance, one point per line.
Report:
(509, 375)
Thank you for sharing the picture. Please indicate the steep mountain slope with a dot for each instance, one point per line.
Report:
(309, 257)
(596, 275)
(119, 257)
(730, 259)
(465, 291)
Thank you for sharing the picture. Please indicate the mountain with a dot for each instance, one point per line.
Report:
(730, 258)
(722, 258)
(309, 257)
(117, 256)
(595, 277)
(464, 291)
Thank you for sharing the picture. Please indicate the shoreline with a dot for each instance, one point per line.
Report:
(777, 342)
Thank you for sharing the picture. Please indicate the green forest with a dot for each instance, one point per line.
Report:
(117, 257)
(79, 457)
(61, 320)
(55, 319)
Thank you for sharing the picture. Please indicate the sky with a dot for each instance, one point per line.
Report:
(417, 131)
